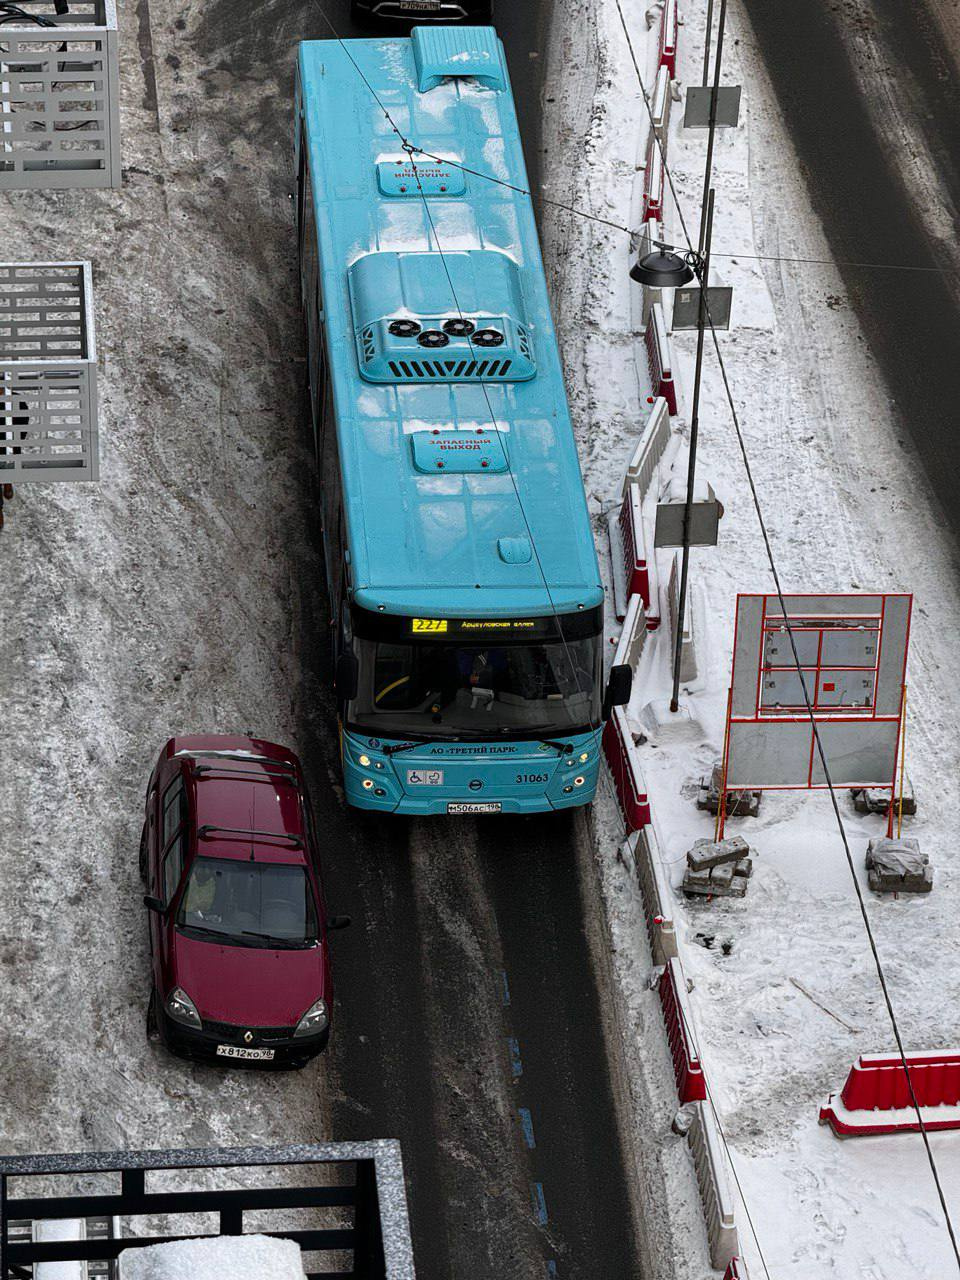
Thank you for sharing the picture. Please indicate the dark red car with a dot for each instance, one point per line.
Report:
(238, 925)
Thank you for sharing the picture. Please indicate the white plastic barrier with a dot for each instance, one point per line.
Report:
(688, 651)
(713, 1178)
(660, 104)
(643, 849)
(633, 636)
(649, 450)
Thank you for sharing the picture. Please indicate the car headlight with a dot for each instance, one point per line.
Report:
(182, 1009)
(315, 1020)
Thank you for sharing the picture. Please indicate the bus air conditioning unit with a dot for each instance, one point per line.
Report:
(431, 317)
(59, 96)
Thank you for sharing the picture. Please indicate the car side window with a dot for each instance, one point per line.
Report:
(173, 807)
(172, 870)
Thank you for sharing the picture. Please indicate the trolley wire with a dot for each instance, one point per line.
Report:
(868, 928)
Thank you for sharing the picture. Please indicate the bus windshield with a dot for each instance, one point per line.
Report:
(476, 690)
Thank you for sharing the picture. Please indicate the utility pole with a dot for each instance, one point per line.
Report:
(703, 274)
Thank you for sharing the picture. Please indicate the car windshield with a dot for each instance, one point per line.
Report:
(249, 903)
(476, 690)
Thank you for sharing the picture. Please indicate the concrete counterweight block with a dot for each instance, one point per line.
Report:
(898, 866)
(740, 804)
(872, 800)
(718, 868)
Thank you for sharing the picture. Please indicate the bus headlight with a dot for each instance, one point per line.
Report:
(584, 757)
(368, 784)
(578, 782)
(365, 761)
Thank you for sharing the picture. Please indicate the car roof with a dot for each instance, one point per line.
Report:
(252, 802)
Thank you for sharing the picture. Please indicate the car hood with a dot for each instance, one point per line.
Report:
(250, 986)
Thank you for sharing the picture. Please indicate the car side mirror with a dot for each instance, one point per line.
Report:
(619, 688)
(338, 922)
(347, 677)
(153, 904)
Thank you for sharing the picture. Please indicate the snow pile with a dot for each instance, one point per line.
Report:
(215, 1258)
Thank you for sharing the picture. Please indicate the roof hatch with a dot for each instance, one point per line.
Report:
(458, 51)
(423, 317)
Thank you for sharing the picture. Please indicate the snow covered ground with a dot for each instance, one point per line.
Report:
(783, 1015)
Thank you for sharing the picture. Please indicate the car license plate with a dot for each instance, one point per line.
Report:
(235, 1051)
(474, 806)
(424, 777)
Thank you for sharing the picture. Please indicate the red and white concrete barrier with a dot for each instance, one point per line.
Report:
(633, 574)
(691, 1085)
(667, 51)
(646, 456)
(621, 754)
(716, 1193)
(653, 180)
(736, 1270)
(660, 358)
(633, 637)
(876, 1097)
(642, 849)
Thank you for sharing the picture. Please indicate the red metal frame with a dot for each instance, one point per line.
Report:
(821, 715)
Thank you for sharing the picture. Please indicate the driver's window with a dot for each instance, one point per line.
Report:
(173, 807)
(172, 870)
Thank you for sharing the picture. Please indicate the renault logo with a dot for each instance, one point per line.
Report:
(248, 1037)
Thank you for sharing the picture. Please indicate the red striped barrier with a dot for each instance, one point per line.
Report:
(876, 1097)
(691, 1085)
(736, 1270)
(660, 358)
(622, 758)
(653, 179)
(667, 51)
(635, 566)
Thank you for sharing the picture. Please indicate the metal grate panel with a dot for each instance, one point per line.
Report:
(48, 373)
(60, 97)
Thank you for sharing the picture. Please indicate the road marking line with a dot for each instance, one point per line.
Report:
(551, 1270)
(506, 987)
(526, 1123)
(516, 1063)
(539, 1203)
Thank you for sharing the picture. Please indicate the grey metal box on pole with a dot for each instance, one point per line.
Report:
(48, 373)
(60, 97)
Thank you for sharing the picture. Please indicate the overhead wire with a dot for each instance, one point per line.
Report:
(878, 965)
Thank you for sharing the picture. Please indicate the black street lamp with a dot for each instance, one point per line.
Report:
(662, 269)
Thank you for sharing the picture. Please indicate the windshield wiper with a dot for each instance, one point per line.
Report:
(561, 747)
(408, 746)
(280, 943)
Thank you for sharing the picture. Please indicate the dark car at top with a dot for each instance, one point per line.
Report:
(238, 925)
(370, 12)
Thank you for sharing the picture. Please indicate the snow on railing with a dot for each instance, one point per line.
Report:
(660, 357)
(660, 104)
(643, 850)
(653, 180)
(633, 636)
(713, 1179)
(621, 754)
(649, 450)
(691, 1085)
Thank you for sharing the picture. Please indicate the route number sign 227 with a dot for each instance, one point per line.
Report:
(434, 625)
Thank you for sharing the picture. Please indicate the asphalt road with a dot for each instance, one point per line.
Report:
(468, 1010)
(840, 71)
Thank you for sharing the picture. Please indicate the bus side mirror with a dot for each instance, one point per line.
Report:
(619, 688)
(347, 677)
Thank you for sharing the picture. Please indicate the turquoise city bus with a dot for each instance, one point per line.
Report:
(461, 568)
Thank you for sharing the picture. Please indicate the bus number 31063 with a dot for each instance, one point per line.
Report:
(532, 777)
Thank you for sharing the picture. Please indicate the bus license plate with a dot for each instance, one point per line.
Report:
(235, 1051)
(422, 6)
(474, 806)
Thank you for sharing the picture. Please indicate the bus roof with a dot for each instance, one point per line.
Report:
(462, 487)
